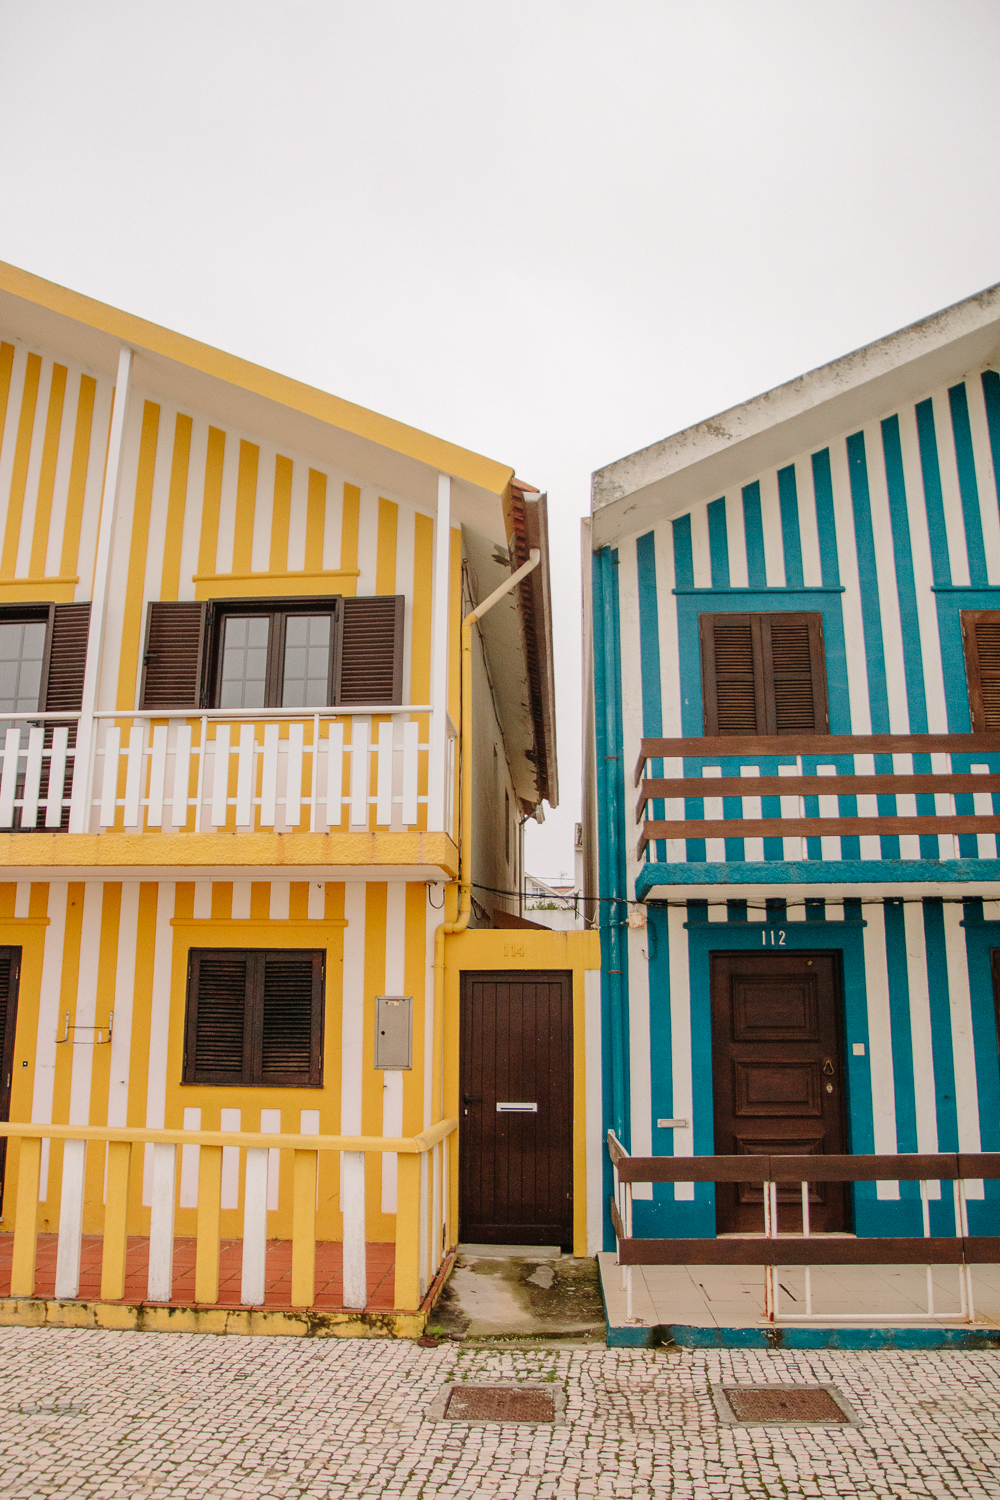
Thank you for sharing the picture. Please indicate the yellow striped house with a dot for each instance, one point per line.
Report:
(266, 987)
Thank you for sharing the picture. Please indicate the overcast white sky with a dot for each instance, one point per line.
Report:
(553, 231)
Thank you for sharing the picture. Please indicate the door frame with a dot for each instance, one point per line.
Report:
(529, 976)
(7, 1049)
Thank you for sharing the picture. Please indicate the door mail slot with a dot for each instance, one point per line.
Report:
(517, 1109)
(393, 1032)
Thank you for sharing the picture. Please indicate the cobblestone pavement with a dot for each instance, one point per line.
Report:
(134, 1415)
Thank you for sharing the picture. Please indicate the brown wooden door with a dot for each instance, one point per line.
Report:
(778, 1075)
(516, 1166)
(10, 969)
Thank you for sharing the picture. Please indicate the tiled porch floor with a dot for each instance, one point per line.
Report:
(329, 1277)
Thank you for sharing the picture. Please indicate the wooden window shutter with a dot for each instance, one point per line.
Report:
(981, 638)
(67, 658)
(173, 655)
(763, 674)
(215, 1048)
(291, 1051)
(731, 675)
(794, 674)
(369, 665)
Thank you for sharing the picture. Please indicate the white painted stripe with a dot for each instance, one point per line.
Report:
(367, 539)
(923, 577)
(8, 778)
(263, 512)
(700, 554)
(920, 1027)
(359, 773)
(392, 1082)
(158, 513)
(70, 1219)
(241, 900)
(857, 666)
(32, 776)
(985, 477)
(254, 1271)
(680, 1027)
(90, 520)
(220, 774)
(245, 776)
(229, 1119)
(954, 518)
(163, 1187)
(962, 1040)
(182, 776)
(190, 1156)
(333, 520)
(30, 503)
(60, 488)
(888, 591)
(298, 518)
(121, 1037)
(334, 776)
(202, 899)
(737, 543)
(15, 398)
(84, 1014)
(880, 1041)
(352, 1163)
(157, 777)
(50, 992)
(269, 776)
(293, 775)
(270, 1124)
(405, 535)
(159, 1020)
(770, 516)
(109, 777)
(227, 504)
(22, 900)
(411, 769)
(639, 1055)
(812, 570)
(194, 505)
(281, 894)
(135, 764)
(317, 900)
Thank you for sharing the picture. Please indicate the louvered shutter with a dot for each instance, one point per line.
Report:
(730, 675)
(291, 1019)
(981, 637)
(63, 691)
(763, 674)
(794, 675)
(173, 656)
(370, 654)
(216, 1044)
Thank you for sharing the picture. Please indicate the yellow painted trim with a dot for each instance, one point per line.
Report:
(315, 517)
(270, 584)
(209, 541)
(54, 851)
(281, 510)
(251, 924)
(206, 1263)
(116, 1220)
(407, 1145)
(47, 474)
(76, 493)
(246, 505)
(19, 474)
(6, 367)
(447, 457)
(37, 1312)
(38, 590)
(170, 578)
(385, 551)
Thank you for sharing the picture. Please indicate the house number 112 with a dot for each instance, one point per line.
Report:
(770, 933)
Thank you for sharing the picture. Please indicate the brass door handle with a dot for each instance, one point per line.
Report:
(828, 1068)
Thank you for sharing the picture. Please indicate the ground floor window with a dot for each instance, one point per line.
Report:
(255, 1017)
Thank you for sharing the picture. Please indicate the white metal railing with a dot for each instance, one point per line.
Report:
(315, 771)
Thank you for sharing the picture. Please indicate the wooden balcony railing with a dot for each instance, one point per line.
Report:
(826, 768)
(421, 1213)
(806, 1248)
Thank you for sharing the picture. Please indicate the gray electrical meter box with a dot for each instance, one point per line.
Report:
(393, 1032)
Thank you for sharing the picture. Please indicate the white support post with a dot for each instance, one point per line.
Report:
(806, 1231)
(353, 1206)
(161, 1224)
(70, 1219)
(437, 800)
(83, 767)
(254, 1227)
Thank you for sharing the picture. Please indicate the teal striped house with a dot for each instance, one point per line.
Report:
(792, 779)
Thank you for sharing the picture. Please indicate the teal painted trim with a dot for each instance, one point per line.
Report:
(683, 555)
(949, 604)
(661, 1047)
(991, 397)
(753, 535)
(718, 544)
(968, 486)
(820, 922)
(913, 664)
(933, 496)
(791, 539)
(904, 1085)
(778, 589)
(611, 850)
(871, 614)
(649, 655)
(690, 605)
(791, 1336)
(830, 872)
(826, 520)
(965, 588)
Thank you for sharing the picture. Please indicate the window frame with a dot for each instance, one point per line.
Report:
(763, 672)
(253, 1021)
(277, 611)
(17, 614)
(968, 619)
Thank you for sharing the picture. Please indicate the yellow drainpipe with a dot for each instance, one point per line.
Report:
(446, 929)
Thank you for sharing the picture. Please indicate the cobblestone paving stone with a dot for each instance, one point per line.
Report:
(175, 1415)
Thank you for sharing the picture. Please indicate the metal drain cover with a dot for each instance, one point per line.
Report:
(757, 1405)
(499, 1403)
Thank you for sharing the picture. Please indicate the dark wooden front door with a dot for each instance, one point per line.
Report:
(516, 1164)
(10, 970)
(778, 1074)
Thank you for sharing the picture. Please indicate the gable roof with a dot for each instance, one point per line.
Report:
(701, 462)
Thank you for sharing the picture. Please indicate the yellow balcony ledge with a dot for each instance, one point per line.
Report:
(240, 850)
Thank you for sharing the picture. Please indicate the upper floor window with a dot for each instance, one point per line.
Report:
(22, 659)
(255, 1017)
(43, 655)
(981, 639)
(273, 653)
(763, 674)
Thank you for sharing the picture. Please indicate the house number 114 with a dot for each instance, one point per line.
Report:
(769, 933)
